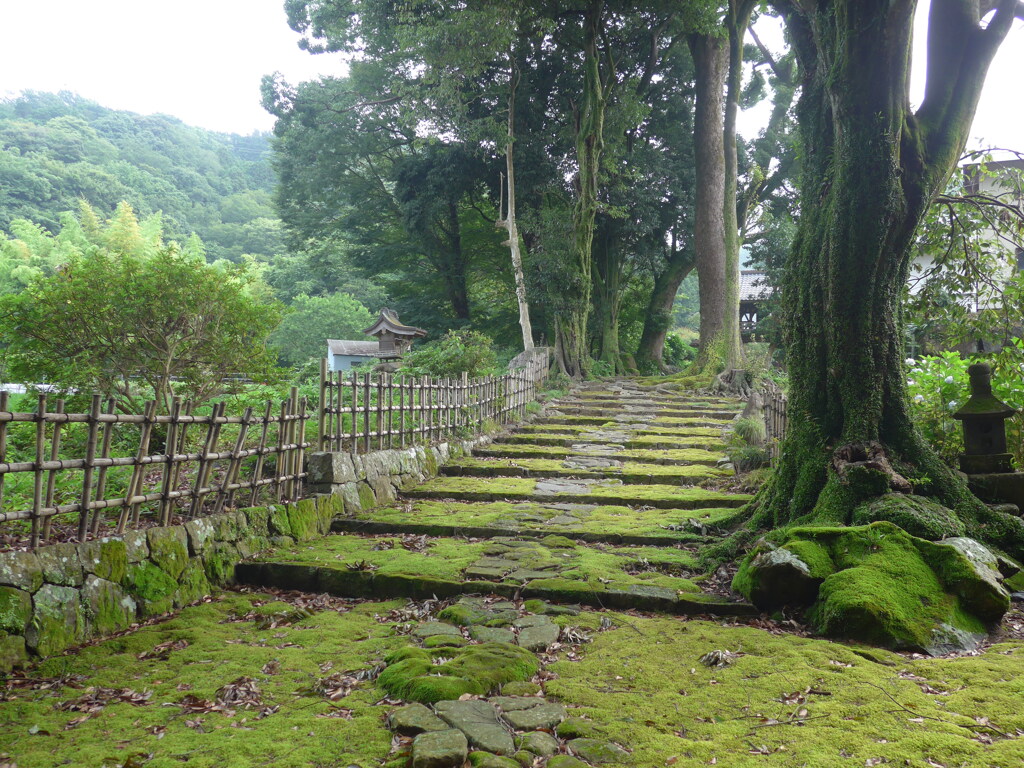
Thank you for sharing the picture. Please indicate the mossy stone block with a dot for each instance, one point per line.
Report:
(58, 620)
(575, 728)
(777, 577)
(251, 545)
(199, 532)
(61, 565)
(21, 570)
(478, 720)
(445, 641)
(15, 610)
(219, 562)
(152, 587)
(193, 585)
(328, 507)
(277, 520)
(367, 497)
(257, 521)
(136, 546)
(226, 527)
(108, 608)
(302, 518)
(13, 653)
(168, 548)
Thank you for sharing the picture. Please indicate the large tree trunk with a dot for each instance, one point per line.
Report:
(737, 20)
(711, 58)
(871, 168)
(571, 325)
(658, 318)
(608, 284)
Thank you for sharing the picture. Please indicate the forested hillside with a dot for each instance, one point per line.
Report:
(58, 149)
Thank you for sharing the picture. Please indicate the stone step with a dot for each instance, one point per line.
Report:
(552, 568)
(647, 410)
(570, 419)
(682, 456)
(682, 401)
(575, 491)
(627, 441)
(550, 427)
(634, 473)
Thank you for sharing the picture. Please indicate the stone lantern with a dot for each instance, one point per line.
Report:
(983, 417)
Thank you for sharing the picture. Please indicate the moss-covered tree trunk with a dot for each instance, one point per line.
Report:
(711, 63)
(871, 168)
(571, 324)
(737, 21)
(658, 317)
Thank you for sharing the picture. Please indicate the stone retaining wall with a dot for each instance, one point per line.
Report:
(64, 594)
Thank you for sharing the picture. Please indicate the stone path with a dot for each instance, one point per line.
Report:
(603, 501)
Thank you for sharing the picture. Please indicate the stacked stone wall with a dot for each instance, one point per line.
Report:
(62, 595)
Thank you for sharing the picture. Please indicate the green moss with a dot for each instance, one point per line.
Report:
(815, 555)
(219, 561)
(477, 670)
(278, 522)
(58, 620)
(15, 610)
(302, 519)
(367, 498)
(193, 585)
(108, 608)
(916, 515)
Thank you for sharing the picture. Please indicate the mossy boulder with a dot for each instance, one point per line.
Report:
(58, 620)
(771, 578)
(916, 515)
(15, 610)
(152, 587)
(478, 670)
(302, 517)
(61, 565)
(168, 548)
(199, 532)
(108, 608)
(880, 585)
(22, 570)
(278, 521)
(219, 562)
(136, 546)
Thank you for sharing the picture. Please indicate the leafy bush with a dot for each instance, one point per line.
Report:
(458, 352)
(677, 352)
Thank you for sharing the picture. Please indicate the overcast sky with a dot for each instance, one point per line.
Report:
(202, 60)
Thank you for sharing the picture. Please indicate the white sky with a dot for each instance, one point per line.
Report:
(202, 60)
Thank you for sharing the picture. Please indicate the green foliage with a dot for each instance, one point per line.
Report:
(124, 309)
(469, 352)
(58, 149)
(677, 352)
(304, 331)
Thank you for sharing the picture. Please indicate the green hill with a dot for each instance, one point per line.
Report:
(56, 149)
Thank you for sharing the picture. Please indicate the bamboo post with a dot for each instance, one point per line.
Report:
(209, 445)
(355, 412)
(293, 438)
(323, 407)
(101, 479)
(366, 413)
(37, 491)
(180, 449)
(90, 458)
(51, 480)
(225, 496)
(170, 449)
(380, 412)
(280, 450)
(301, 450)
(4, 404)
(135, 484)
(261, 451)
(401, 411)
(391, 411)
(429, 419)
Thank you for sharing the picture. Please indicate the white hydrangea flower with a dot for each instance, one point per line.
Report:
(910, 361)
(948, 379)
(918, 398)
(952, 404)
(911, 382)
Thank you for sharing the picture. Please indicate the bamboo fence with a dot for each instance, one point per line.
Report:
(136, 470)
(362, 413)
(197, 470)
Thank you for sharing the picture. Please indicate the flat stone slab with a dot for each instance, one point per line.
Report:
(538, 638)
(439, 749)
(415, 719)
(434, 628)
(596, 751)
(547, 715)
(478, 720)
(515, 703)
(539, 743)
(492, 634)
(563, 486)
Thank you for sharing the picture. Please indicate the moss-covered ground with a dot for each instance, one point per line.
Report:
(641, 455)
(53, 722)
(628, 472)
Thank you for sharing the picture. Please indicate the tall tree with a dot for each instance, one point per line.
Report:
(871, 167)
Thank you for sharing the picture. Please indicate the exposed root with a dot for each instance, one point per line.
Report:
(870, 455)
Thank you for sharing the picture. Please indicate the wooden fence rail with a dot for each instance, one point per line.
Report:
(362, 412)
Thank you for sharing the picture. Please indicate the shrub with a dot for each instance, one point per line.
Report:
(457, 352)
(677, 352)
